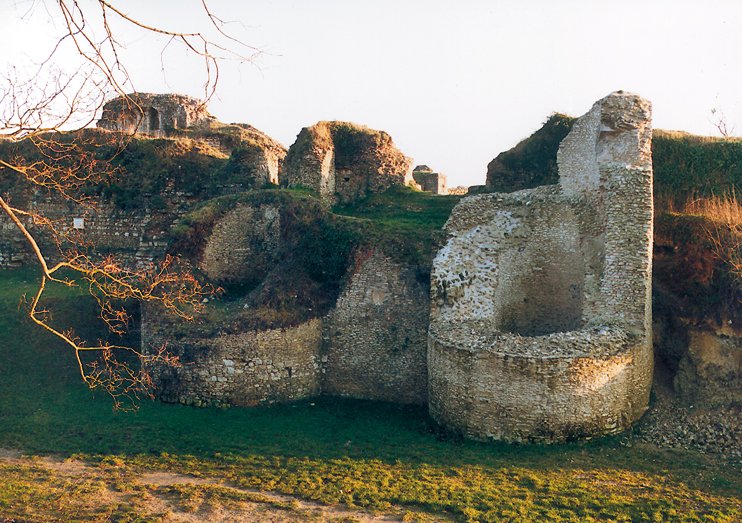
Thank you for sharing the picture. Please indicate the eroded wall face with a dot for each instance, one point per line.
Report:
(541, 299)
(245, 369)
(607, 159)
(372, 345)
(243, 246)
(518, 262)
(151, 113)
(375, 339)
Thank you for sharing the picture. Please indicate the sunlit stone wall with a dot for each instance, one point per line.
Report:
(541, 299)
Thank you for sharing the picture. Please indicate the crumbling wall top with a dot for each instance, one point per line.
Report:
(152, 113)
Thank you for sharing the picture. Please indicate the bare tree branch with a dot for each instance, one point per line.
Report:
(44, 110)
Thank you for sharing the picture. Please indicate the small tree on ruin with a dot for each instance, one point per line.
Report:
(45, 107)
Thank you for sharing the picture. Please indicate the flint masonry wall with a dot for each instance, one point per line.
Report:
(540, 317)
(244, 369)
(375, 337)
(247, 237)
(151, 113)
(372, 345)
(136, 237)
(344, 162)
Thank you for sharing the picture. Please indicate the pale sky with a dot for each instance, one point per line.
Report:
(453, 83)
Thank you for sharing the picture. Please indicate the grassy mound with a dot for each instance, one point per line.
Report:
(317, 249)
(532, 162)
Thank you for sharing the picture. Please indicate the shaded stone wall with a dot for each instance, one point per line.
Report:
(244, 369)
(135, 237)
(541, 299)
(243, 243)
(375, 337)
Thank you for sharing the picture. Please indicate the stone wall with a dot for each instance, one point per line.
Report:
(345, 162)
(430, 181)
(541, 299)
(253, 154)
(563, 386)
(372, 345)
(243, 245)
(375, 337)
(136, 237)
(152, 114)
(244, 369)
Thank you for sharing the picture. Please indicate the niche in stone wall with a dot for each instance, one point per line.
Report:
(540, 290)
(154, 120)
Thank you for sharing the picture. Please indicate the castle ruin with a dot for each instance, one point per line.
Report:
(541, 299)
(152, 114)
(537, 322)
(429, 181)
(344, 162)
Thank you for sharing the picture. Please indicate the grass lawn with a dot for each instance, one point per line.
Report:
(362, 454)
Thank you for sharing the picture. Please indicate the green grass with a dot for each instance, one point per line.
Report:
(404, 223)
(361, 453)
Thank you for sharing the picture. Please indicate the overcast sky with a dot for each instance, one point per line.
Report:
(453, 83)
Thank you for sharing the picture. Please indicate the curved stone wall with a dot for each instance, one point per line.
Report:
(555, 388)
(243, 369)
(541, 299)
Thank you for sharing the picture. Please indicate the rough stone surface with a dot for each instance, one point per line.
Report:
(137, 237)
(710, 372)
(253, 154)
(152, 114)
(244, 369)
(430, 181)
(345, 162)
(372, 345)
(541, 299)
(243, 245)
(376, 336)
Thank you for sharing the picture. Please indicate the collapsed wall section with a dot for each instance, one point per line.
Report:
(344, 162)
(152, 114)
(541, 299)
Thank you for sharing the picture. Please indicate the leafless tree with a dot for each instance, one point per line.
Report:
(39, 106)
(721, 123)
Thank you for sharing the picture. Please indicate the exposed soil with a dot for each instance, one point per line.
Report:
(275, 508)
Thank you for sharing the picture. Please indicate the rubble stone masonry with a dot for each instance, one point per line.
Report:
(541, 299)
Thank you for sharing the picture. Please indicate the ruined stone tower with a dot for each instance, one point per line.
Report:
(541, 299)
(152, 113)
(344, 162)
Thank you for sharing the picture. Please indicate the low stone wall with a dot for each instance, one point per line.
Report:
(565, 386)
(375, 338)
(242, 369)
(372, 345)
(136, 238)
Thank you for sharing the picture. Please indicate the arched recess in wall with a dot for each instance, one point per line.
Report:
(154, 120)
